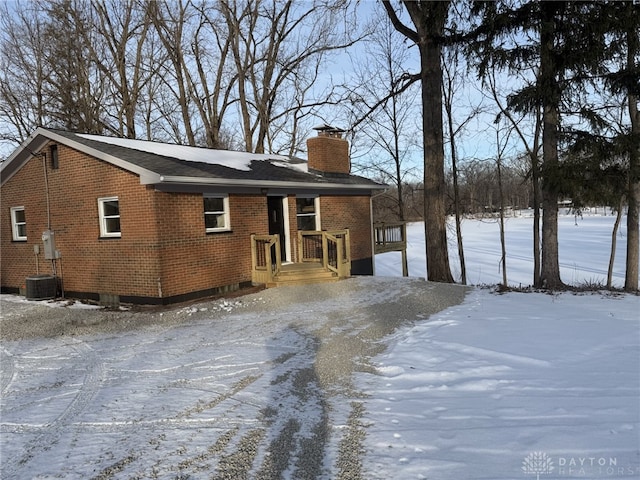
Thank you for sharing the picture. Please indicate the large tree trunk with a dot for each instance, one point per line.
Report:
(633, 193)
(435, 214)
(633, 196)
(550, 271)
(429, 19)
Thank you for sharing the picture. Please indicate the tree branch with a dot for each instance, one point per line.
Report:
(398, 25)
(409, 78)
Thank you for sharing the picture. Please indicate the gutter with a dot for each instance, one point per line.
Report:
(259, 184)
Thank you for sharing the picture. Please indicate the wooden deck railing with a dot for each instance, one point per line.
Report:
(265, 257)
(392, 237)
(331, 249)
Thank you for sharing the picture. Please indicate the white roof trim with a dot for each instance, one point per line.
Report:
(142, 172)
(226, 182)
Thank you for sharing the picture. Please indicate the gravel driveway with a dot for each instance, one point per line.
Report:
(258, 386)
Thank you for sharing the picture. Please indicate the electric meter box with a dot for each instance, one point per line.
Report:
(49, 242)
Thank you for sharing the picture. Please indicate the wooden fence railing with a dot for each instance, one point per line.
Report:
(332, 249)
(392, 237)
(265, 257)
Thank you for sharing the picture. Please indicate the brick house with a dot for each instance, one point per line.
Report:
(120, 220)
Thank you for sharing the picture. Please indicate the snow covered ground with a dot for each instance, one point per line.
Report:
(584, 249)
(477, 389)
(498, 387)
(518, 385)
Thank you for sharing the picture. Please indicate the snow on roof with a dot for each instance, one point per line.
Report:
(226, 158)
(300, 166)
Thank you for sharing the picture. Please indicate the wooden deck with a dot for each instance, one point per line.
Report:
(321, 256)
(302, 274)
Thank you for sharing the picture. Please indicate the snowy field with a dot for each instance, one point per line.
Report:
(499, 387)
(584, 249)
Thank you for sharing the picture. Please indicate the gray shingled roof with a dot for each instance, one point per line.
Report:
(210, 167)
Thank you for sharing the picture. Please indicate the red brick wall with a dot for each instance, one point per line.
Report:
(164, 249)
(339, 213)
(328, 154)
(88, 264)
(193, 260)
(354, 213)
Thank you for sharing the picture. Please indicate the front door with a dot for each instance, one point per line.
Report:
(276, 223)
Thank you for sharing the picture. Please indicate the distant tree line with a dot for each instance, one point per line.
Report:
(479, 192)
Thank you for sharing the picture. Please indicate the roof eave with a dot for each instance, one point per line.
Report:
(41, 136)
(22, 154)
(224, 182)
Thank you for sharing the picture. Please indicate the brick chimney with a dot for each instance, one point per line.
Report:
(328, 152)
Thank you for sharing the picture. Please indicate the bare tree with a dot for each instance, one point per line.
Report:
(614, 238)
(170, 20)
(23, 71)
(453, 82)
(76, 89)
(78, 65)
(501, 146)
(429, 19)
(278, 46)
(121, 57)
(49, 77)
(385, 136)
(532, 144)
(194, 72)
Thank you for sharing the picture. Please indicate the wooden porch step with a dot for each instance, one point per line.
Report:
(303, 274)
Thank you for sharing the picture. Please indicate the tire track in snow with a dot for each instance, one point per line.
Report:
(227, 458)
(199, 463)
(195, 463)
(7, 370)
(52, 431)
(237, 464)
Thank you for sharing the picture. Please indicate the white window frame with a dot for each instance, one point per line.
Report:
(104, 232)
(316, 207)
(15, 225)
(224, 212)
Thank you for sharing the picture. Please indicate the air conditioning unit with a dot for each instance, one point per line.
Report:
(41, 287)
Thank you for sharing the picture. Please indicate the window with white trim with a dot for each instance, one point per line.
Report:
(109, 213)
(216, 213)
(19, 224)
(307, 209)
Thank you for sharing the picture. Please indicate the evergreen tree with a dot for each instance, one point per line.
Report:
(605, 158)
(564, 42)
